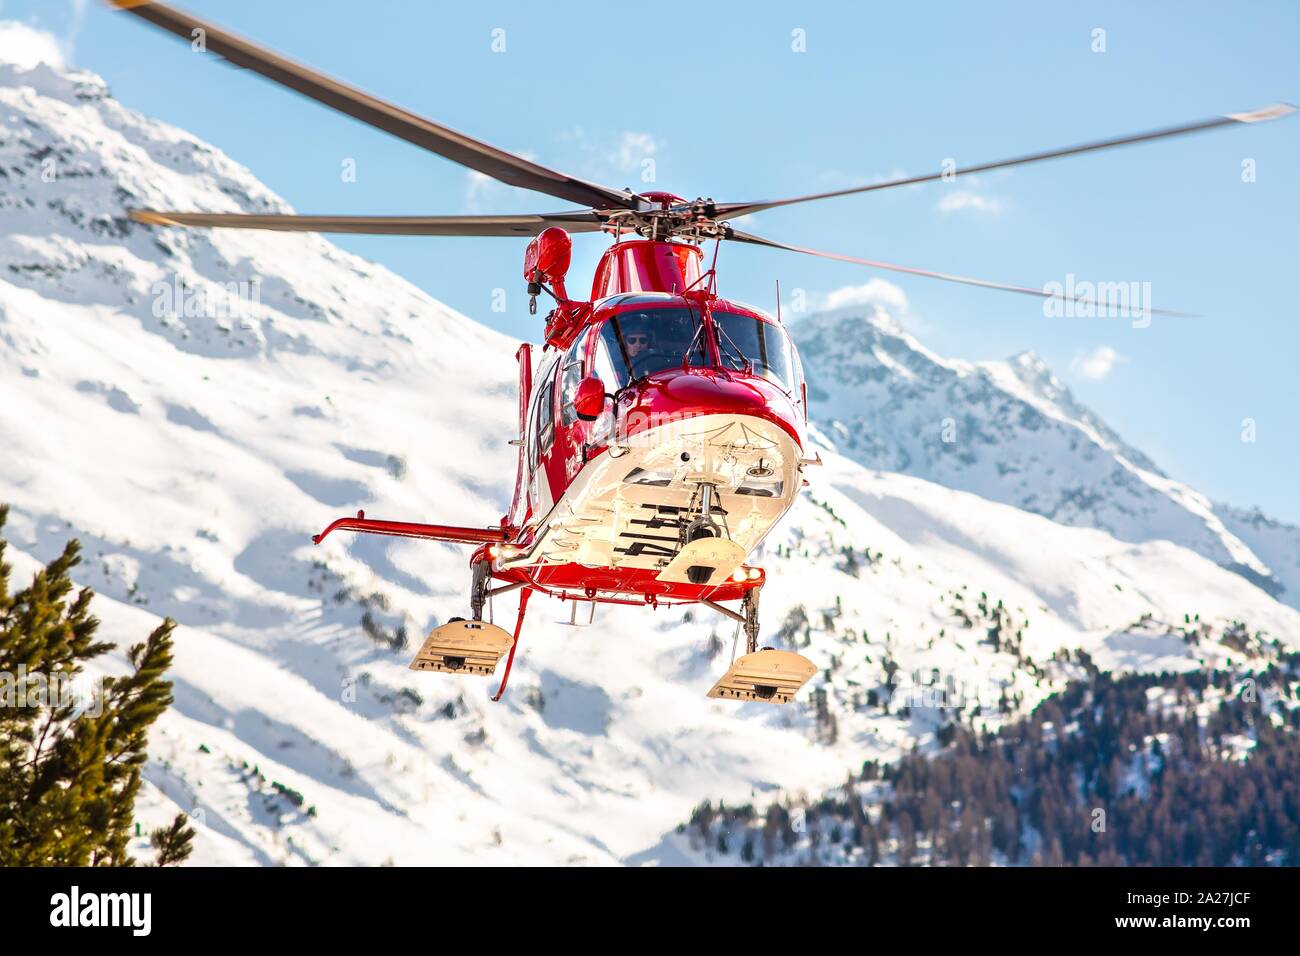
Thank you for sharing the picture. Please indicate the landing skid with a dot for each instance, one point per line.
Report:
(463, 647)
(474, 647)
(767, 676)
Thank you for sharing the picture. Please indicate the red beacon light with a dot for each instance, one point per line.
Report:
(547, 260)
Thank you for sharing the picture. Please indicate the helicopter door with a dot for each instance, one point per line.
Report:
(570, 431)
(519, 500)
(541, 435)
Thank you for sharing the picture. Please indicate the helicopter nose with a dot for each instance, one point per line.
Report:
(687, 394)
(706, 393)
(678, 397)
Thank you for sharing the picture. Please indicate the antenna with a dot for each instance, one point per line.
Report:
(778, 300)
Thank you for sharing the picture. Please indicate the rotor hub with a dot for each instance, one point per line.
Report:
(661, 215)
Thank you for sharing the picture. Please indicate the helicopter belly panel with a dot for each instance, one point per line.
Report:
(627, 506)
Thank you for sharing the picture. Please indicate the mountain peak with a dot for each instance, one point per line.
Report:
(1031, 364)
(1034, 372)
(1008, 431)
(73, 160)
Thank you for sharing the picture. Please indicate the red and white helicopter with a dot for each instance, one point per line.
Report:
(662, 428)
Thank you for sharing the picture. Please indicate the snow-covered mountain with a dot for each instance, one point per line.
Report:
(1012, 432)
(193, 406)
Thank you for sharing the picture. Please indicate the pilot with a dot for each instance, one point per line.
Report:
(639, 339)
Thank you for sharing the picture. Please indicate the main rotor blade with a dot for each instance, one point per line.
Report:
(579, 220)
(735, 209)
(947, 277)
(462, 149)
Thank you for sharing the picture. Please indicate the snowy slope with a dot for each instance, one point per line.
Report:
(1275, 542)
(1011, 432)
(193, 452)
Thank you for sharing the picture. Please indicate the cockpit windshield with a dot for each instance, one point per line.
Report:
(635, 343)
(748, 344)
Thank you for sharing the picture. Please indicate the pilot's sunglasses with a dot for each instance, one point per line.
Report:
(638, 340)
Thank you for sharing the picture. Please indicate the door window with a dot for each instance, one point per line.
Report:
(570, 379)
(545, 420)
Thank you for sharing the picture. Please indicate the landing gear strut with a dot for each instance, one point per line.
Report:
(482, 574)
(749, 608)
(510, 661)
(703, 526)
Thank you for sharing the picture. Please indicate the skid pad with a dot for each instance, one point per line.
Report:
(768, 676)
(463, 647)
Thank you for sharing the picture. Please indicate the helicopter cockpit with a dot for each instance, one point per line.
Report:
(747, 343)
(638, 342)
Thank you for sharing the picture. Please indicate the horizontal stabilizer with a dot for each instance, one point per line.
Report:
(410, 529)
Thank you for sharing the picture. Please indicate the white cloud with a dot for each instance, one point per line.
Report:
(24, 46)
(961, 200)
(878, 292)
(632, 148)
(602, 158)
(1098, 363)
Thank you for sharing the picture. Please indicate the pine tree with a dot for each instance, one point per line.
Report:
(173, 843)
(69, 774)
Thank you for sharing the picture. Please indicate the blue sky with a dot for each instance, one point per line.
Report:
(724, 107)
